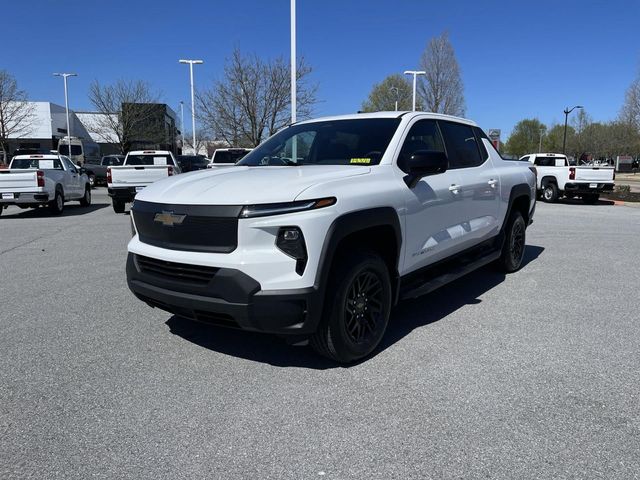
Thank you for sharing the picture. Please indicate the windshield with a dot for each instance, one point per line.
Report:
(149, 160)
(75, 149)
(41, 164)
(228, 156)
(338, 142)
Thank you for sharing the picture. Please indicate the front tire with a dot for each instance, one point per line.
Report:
(57, 205)
(85, 201)
(514, 243)
(118, 206)
(357, 308)
(550, 193)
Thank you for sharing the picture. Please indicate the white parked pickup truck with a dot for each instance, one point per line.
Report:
(224, 157)
(139, 169)
(378, 207)
(557, 178)
(43, 180)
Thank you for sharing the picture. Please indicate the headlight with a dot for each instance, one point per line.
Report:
(291, 241)
(267, 209)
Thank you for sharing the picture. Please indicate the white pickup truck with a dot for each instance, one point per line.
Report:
(224, 157)
(43, 180)
(139, 169)
(557, 178)
(377, 208)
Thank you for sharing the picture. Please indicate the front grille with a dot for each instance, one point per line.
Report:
(199, 228)
(181, 272)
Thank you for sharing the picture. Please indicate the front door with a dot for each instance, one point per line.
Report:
(433, 208)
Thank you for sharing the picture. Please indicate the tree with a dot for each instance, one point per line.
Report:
(202, 141)
(383, 95)
(441, 89)
(128, 109)
(253, 99)
(630, 113)
(525, 137)
(16, 113)
(552, 140)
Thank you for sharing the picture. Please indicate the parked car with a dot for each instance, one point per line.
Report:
(190, 163)
(79, 150)
(139, 169)
(381, 207)
(227, 156)
(43, 180)
(557, 178)
(97, 168)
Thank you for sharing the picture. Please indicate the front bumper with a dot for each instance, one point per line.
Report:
(582, 188)
(26, 198)
(231, 299)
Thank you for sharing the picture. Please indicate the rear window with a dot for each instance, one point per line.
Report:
(228, 156)
(75, 149)
(550, 161)
(36, 163)
(149, 160)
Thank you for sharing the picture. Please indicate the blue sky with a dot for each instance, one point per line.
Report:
(518, 59)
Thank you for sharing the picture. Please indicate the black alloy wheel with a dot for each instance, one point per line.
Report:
(363, 307)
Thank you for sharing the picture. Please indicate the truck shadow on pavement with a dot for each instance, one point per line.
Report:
(69, 211)
(406, 317)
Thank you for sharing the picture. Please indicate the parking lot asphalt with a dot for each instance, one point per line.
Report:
(533, 375)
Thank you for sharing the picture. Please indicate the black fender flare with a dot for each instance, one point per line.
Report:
(517, 191)
(548, 179)
(354, 222)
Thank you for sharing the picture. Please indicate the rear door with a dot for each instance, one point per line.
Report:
(479, 183)
(433, 210)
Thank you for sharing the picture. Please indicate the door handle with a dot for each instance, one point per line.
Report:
(454, 188)
(493, 183)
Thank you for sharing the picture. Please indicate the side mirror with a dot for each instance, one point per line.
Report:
(83, 170)
(424, 163)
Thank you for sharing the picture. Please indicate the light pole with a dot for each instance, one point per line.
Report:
(567, 111)
(66, 102)
(397, 90)
(293, 62)
(540, 145)
(415, 73)
(182, 123)
(193, 105)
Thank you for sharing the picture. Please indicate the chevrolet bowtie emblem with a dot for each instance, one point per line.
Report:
(169, 219)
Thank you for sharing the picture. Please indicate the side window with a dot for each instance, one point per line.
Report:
(68, 165)
(462, 146)
(526, 158)
(423, 135)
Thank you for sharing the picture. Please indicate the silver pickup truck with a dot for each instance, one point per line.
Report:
(139, 169)
(43, 180)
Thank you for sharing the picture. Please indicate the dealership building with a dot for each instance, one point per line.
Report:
(47, 125)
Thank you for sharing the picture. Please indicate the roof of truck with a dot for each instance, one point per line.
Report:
(149, 152)
(43, 156)
(408, 114)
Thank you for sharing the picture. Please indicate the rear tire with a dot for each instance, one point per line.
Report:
(550, 193)
(590, 198)
(358, 307)
(85, 201)
(515, 243)
(118, 206)
(57, 205)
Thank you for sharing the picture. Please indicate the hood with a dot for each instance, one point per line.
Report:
(244, 185)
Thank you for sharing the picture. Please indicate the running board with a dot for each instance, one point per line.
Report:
(449, 276)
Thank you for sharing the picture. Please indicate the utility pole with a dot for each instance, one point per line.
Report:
(66, 103)
(193, 105)
(567, 111)
(415, 73)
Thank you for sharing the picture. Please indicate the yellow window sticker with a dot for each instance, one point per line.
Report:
(361, 160)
